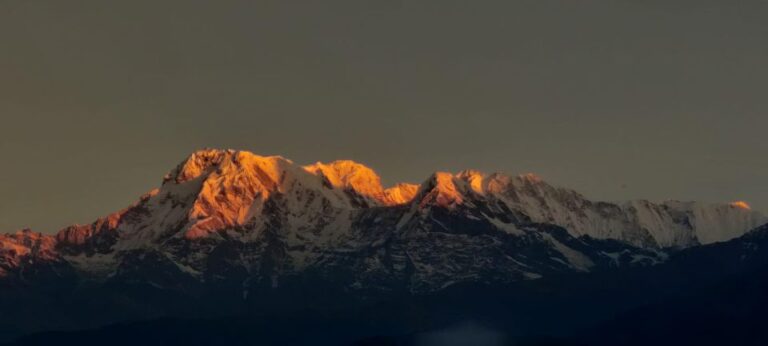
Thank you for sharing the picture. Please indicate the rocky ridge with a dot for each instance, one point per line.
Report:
(226, 217)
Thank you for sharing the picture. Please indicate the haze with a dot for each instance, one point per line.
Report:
(616, 99)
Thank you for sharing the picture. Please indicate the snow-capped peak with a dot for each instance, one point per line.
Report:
(206, 161)
(741, 205)
(237, 195)
(25, 245)
(236, 215)
(363, 182)
(442, 189)
(401, 193)
(350, 176)
(227, 188)
(643, 223)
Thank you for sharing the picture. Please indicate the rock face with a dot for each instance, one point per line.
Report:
(235, 219)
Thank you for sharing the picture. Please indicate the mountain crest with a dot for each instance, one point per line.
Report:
(401, 193)
(352, 177)
(233, 195)
(741, 205)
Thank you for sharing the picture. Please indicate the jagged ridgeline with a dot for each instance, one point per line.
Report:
(224, 215)
(230, 233)
(236, 217)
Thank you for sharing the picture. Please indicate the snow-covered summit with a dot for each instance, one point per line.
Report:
(234, 215)
(640, 222)
(215, 191)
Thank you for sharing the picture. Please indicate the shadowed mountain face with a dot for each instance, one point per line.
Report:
(232, 233)
(709, 295)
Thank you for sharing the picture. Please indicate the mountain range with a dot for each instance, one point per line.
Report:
(231, 233)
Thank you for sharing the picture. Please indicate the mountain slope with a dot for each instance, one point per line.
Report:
(286, 218)
(707, 295)
(228, 229)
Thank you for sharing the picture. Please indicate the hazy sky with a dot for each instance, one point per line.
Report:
(617, 99)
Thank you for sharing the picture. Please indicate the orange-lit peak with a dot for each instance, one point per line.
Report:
(400, 194)
(203, 161)
(26, 241)
(474, 178)
(531, 177)
(441, 189)
(231, 184)
(741, 205)
(196, 164)
(347, 174)
(470, 173)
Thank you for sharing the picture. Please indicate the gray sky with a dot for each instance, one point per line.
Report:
(617, 99)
